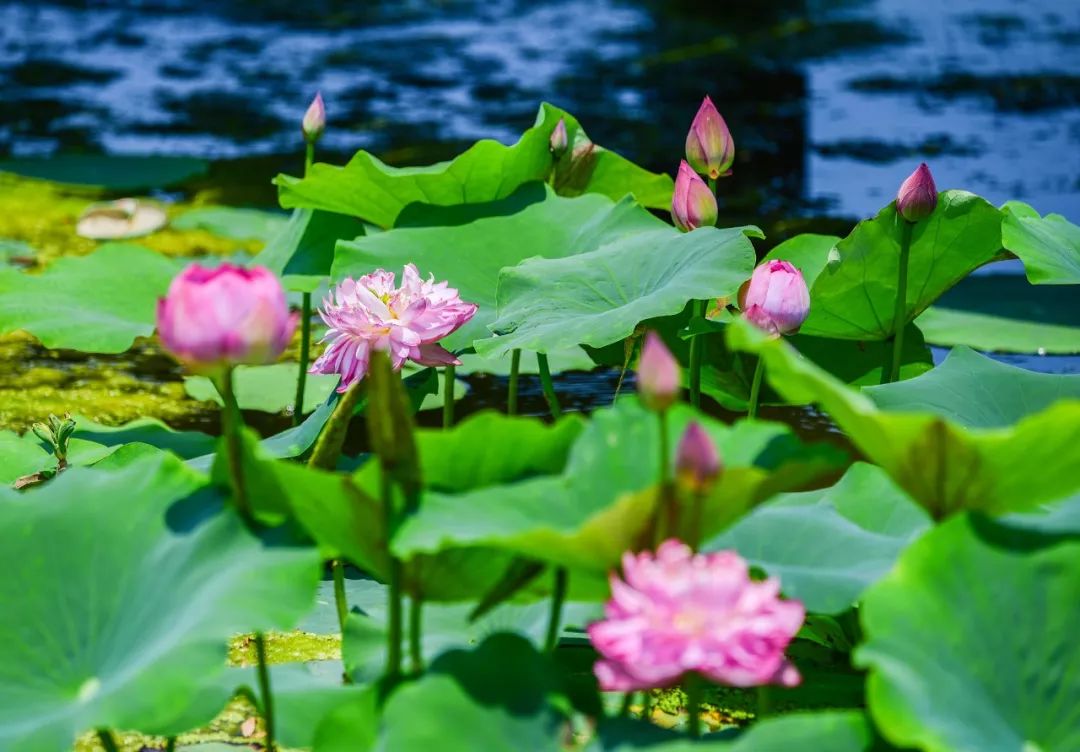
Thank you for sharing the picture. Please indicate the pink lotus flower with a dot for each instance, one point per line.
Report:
(697, 462)
(677, 612)
(407, 321)
(658, 376)
(693, 205)
(314, 122)
(213, 319)
(710, 150)
(775, 298)
(559, 140)
(917, 197)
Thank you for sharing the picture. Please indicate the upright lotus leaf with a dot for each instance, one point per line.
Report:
(599, 297)
(971, 643)
(944, 466)
(827, 546)
(809, 253)
(949, 327)
(116, 618)
(1049, 246)
(82, 303)
(471, 254)
(977, 392)
(855, 297)
(304, 249)
(487, 171)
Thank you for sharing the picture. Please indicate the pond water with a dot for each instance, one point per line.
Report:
(831, 103)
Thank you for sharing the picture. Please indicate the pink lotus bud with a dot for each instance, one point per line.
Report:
(710, 150)
(658, 376)
(314, 122)
(697, 463)
(213, 319)
(693, 205)
(917, 197)
(559, 140)
(677, 612)
(775, 298)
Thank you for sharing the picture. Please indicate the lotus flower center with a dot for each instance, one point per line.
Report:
(692, 621)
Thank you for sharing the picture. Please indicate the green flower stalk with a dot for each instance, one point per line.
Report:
(312, 126)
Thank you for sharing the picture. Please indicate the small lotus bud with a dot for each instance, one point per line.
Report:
(697, 463)
(658, 377)
(693, 205)
(917, 197)
(559, 140)
(776, 298)
(710, 150)
(314, 122)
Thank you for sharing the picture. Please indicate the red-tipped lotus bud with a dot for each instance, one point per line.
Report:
(693, 205)
(710, 150)
(658, 376)
(775, 299)
(559, 140)
(697, 463)
(314, 122)
(917, 198)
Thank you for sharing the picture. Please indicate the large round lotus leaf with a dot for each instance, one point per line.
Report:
(829, 545)
(598, 297)
(111, 171)
(233, 223)
(148, 431)
(119, 607)
(304, 248)
(944, 466)
(468, 245)
(949, 327)
(76, 302)
(976, 391)
(1049, 246)
(809, 253)
(270, 389)
(855, 297)
(971, 643)
(487, 171)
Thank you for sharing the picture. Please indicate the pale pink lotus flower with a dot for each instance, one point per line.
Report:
(775, 299)
(371, 313)
(214, 318)
(559, 141)
(710, 149)
(659, 378)
(314, 122)
(697, 461)
(677, 612)
(917, 197)
(693, 204)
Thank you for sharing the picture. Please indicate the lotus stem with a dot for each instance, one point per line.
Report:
(309, 156)
(900, 314)
(108, 741)
(416, 651)
(558, 596)
(512, 386)
(264, 690)
(549, 387)
(394, 604)
(646, 705)
(340, 599)
(448, 396)
(170, 744)
(764, 701)
(694, 688)
(232, 421)
(661, 518)
(328, 446)
(627, 701)
(755, 389)
(305, 347)
(696, 347)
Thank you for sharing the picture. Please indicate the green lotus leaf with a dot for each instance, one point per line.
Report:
(270, 389)
(855, 297)
(599, 297)
(304, 249)
(809, 253)
(470, 255)
(570, 359)
(152, 431)
(75, 304)
(113, 172)
(121, 617)
(949, 327)
(21, 455)
(971, 643)
(827, 546)
(945, 466)
(230, 222)
(487, 171)
(1049, 246)
(977, 392)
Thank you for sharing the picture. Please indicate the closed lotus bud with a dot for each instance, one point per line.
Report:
(314, 122)
(917, 197)
(559, 140)
(658, 377)
(213, 319)
(775, 298)
(710, 150)
(693, 205)
(697, 463)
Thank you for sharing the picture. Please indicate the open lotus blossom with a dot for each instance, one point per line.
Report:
(917, 197)
(407, 321)
(677, 612)
(213, 319)
(775, 298)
